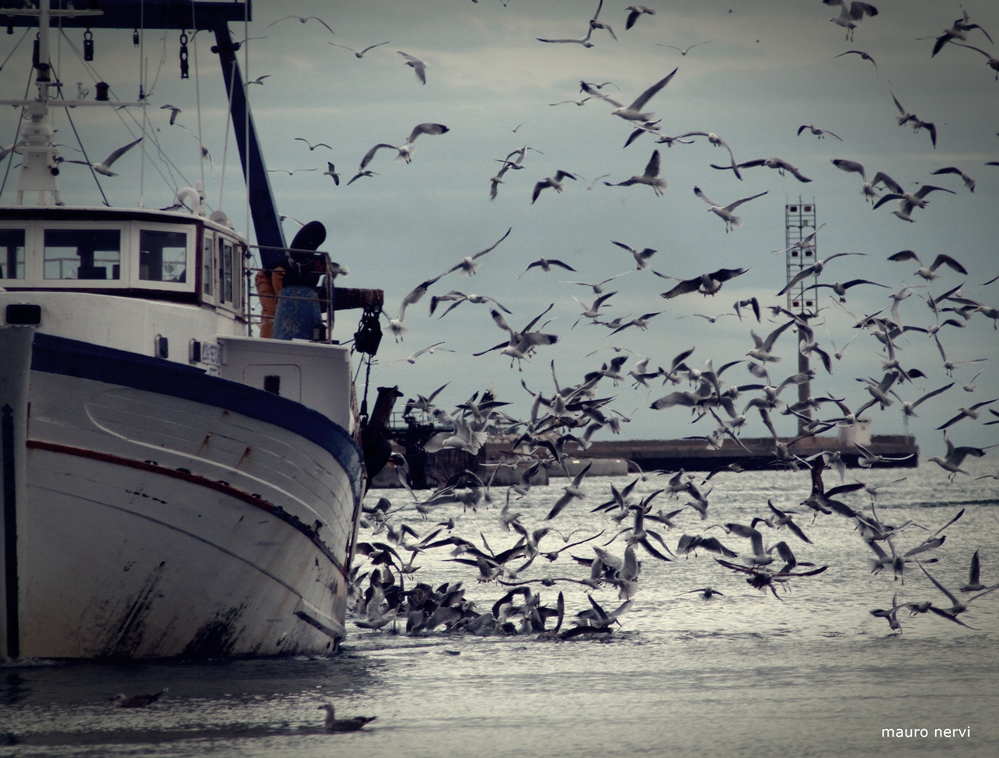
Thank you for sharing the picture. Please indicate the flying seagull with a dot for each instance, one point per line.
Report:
(863, 55)
(303, 19)
(635, 12)
(174, 112)
(820, 133)
(814, 270)
(706, 284)
(928, 272)
(418, 66)
(650, 176)
(641, 256)
(360, 53)
(555, 182)
(104, 167)
(683, 50)
(632, 112)
(725, 212)
(311, 146)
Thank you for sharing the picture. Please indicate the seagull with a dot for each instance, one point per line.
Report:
(584, 41)
(461, 297)
(594, 24)
(957, 606)
(841, 288)
(863, 55)
(136, 701)
(820, 133)
(574, 102)
(778, 163)
(418, 66)
(259, 80)
(907, 202)
(650, 176)
(468, 266)
(914, 120)
(641, 256)
(174, 112)
(956, 31)
(763, 346)
(850, 13)
(969, 412)
(814, 270)
(331, 172)
(395, 325)
(593, 311)
(928, 272)
(752, 302)
(555, 182)
(683, 50)
(289, 171)
(104, 167)
(598, 287)
(706, 284)
(635, 12)
(974, 576)
(303, 19)
(725, 213)
(632, 112)
(310, 145)
(360, 53)
(956, 455)
(545, 264)
(867, 190)
(572, 491)
(430, 350)
(360, 174)
(968, 181)
(992, 63)
(716, 141)
(405, 151)
(334, 725)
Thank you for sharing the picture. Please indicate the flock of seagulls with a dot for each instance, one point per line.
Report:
(565, 416)
(387, 591)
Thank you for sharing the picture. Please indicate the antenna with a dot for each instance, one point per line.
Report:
(801, 245)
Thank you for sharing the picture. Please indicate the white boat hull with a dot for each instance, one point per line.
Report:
(161, 512)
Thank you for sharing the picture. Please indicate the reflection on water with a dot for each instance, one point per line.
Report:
(812, 673)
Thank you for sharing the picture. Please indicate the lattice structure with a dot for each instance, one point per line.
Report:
(801, 244)
(800, 238)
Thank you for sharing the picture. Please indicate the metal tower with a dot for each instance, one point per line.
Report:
(801, 242)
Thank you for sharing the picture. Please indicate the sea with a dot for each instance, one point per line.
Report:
(808, 672)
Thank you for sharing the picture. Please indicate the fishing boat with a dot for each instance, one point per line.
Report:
(173, 484)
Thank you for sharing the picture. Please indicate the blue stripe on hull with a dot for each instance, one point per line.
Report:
(58, 355)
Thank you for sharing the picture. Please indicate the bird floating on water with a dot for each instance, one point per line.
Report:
(333, 725)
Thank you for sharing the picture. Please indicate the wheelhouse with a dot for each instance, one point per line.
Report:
(148, 254)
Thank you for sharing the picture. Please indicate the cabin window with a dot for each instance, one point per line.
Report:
(226, 264)
(82, 254)
(208, 264)
(11, 253)
(162, 256)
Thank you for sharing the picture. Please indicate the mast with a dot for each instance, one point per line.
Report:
(264, 212)
(40, 163)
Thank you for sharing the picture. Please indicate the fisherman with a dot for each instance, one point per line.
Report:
(294, 281)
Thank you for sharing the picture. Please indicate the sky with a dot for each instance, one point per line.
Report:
(759, 71)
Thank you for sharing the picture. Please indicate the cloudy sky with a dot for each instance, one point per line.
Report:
(762, 69)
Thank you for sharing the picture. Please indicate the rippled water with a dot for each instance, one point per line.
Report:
(811, 674)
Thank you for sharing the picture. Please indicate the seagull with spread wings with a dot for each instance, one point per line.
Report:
(649, 177)
(634, 111)
(468, 264)
(104, 167)
(725, 212)
(419, 67)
